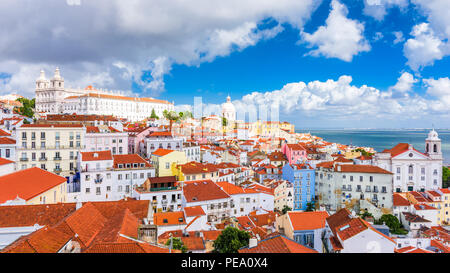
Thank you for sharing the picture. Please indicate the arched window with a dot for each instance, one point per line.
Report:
(410, 169)
(427, 148)
(435, 148)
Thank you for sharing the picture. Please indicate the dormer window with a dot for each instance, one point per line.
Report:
(120, 165)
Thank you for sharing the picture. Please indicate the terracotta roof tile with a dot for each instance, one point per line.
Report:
(96, 156)
(27, 184)
(278, 244)
(308, 220)
(202, 190)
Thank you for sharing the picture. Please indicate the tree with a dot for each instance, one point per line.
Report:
(363, 152)
(27, 108)
(172, 117)
(310, 206)
(224, 122)
(445, 177)
(231, 240)
(177, 244)
(393, 223)
(285, 209)
(366, 214)
(153, 115)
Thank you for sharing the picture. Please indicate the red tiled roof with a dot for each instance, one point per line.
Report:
(127, 247)
(308, 220)
(4, 161)
(4, 133)
(52, 126)
(399, 149)
(202, 190)
(278, 244)
(115, 97)
(129, 159)
(194, 211)
(361, 169)
(162, 152)
(96, 156)
(92, 129)
(29, 215)
(169, 218)
(7, 140)
(193, 243)
(27, 184)
(399, 200)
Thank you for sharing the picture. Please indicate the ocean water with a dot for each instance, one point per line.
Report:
(384, 139)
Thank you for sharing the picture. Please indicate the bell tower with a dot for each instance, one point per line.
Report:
(433, 145)
(57, 81)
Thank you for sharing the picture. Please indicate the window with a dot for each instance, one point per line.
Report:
(371, 178)
(88, 190)
(167, 165)
(119, 177)
(119, 189)
(351, 178)
(127, 188)
(97, 191)
(42, 135)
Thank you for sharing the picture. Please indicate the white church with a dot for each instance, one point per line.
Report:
(413, 170)
(52, 97)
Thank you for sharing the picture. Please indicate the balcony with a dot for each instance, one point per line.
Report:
(57, 158)
(368, 190)
(163, 189)
(98, 180)
(164, 202)
(24, 159)
(358, 190)
(375, 190)
(57, 170)
(43, 159)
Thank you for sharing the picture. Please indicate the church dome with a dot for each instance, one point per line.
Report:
(228, 109)
(433, 135)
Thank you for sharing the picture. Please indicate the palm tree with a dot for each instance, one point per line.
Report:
(171, 116)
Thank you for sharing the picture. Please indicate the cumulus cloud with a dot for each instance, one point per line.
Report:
(424, 48)
(340, 38)
(439, 89)
(121, 40)
(339, 99)
(378, 8)
(398, 37)
(405, 83)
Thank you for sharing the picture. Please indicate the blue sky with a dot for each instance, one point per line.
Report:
(329, 63)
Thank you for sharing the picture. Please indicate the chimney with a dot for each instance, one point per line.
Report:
(253, 242)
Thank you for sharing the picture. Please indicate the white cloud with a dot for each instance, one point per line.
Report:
(440, 89)
(118, 40)
(341, 38)
(405, 83)
(378, 8)
(424, 48)
(398, 37)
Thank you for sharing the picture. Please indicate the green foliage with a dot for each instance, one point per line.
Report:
(285, 209)
(445, 177)
(153, 115)
(366, 214)
(25, 121)
(224, 122)
(395, 227)
(177, 244)
(310, 206)
(231, 240)
(27, 108)
(363, 152)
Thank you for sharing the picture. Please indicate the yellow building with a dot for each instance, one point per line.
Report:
(52, 147)
(31, 187)
(352, 154)
(196, 171)
(163, 160)
(445, 212)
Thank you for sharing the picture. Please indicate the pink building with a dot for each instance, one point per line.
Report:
(294, 153)
(136, 136)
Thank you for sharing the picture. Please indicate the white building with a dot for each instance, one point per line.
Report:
(164, 193)
(214, 201)
(106, 177)
(192, 151)
(413, 170)
(162, 140)
(52, 97)
(284, 195)
(228, 110)
(102, 138)
(7, 166)
(340, 184)
(8, 148)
